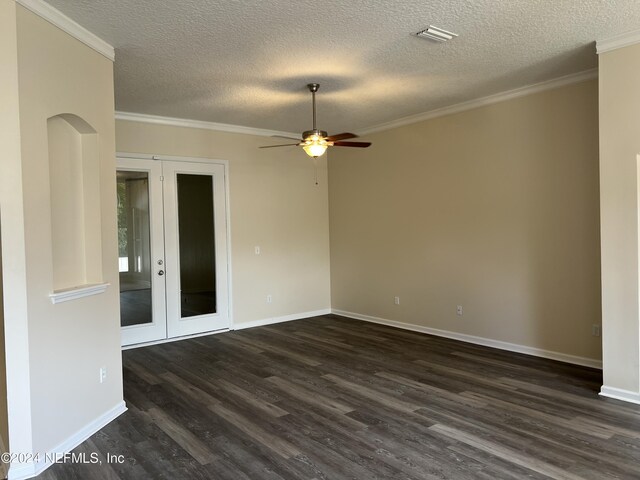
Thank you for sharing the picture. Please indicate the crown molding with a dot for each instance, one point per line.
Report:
(440, 112)
(220, 127)
(617, 41)
(481, 102)
(64, 23)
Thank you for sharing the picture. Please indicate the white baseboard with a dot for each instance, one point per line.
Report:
(28, 470)
(22, 470)
(619, 394)
(285, 318)
(487, 342)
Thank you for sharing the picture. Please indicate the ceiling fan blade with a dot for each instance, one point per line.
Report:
(284, 145)
(283, 136)
(352, 144)
(341, 136)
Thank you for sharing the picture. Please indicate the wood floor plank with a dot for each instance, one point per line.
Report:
(504, 364)
(287, 353)
(602, 426)
(537, 438)
(241, 462)
(592, 430)
(617, 408)
(454, 397)
(494, 467)
(189, 389)
(466, 376)
(143, 373)
(539, 447)
(266, 439)
(328, 450)
(255, 401)
(506, 453)
(182, 437)
(303, 395)
(373, 395)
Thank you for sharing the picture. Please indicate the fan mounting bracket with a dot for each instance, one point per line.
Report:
(319, 133)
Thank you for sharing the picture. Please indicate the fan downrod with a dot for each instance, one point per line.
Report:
(313, 88)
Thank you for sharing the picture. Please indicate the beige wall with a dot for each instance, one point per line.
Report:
(494, 209)
(16, 328)
(274, 204)
(619, 74)
(68, 342)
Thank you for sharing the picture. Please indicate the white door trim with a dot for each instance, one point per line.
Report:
(171, 158)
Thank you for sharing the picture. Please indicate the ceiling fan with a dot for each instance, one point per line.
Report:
(315, 142)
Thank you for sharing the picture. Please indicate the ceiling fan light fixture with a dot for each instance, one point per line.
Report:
(315, 150)
(315, 142)
(315, 145)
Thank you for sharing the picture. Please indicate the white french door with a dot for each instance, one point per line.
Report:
(172, 239)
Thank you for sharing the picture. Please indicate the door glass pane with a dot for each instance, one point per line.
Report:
(197, 245)
(134, 248)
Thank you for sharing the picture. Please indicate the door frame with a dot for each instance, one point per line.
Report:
(225, 164)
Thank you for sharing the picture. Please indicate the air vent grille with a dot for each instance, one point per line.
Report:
(436, 34)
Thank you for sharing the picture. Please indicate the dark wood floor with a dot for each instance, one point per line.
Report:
(331, 398)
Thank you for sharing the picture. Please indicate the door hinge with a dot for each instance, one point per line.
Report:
(161, 178)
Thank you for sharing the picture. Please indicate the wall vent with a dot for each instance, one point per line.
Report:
(437, 34)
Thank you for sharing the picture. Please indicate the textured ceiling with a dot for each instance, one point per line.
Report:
(246, 62)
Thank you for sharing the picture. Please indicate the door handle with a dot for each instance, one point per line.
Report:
(160, 272)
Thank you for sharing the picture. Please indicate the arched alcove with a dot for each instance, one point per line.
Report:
(74, 176)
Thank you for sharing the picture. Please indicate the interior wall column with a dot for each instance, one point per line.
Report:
(619, 96)
(13, 244)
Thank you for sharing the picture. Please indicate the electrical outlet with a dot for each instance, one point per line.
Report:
(269, 299)
(459, 310)
(595, 330)
(257, 249)
(103, 374)
(396, 300)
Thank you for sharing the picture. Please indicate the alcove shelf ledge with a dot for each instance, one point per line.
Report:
(67, 294)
